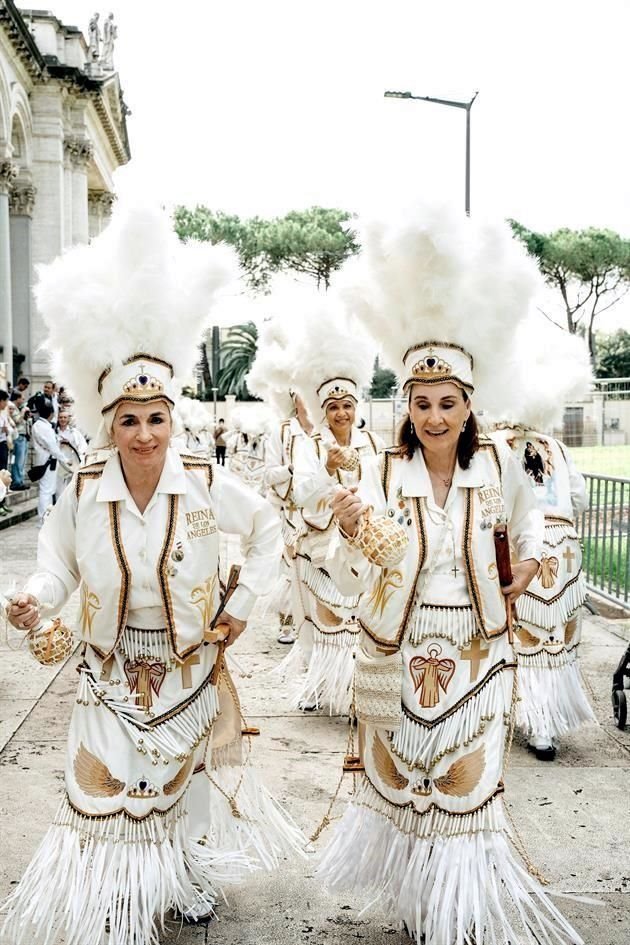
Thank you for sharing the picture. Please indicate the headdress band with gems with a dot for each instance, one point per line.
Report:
(336, 388)
(142, 378)
(438, 362)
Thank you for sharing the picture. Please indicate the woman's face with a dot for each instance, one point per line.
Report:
(340, 416)
(141, 433)
(63, 420)
(438, 413)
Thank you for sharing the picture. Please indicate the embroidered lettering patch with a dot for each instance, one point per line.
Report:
(200, 523)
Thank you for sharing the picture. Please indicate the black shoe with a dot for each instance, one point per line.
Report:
(543, 754)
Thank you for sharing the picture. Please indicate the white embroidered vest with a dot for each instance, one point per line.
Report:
(484, 507)
(189, 586)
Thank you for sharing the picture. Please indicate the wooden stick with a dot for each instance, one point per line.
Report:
(229, 590)
(504, 569)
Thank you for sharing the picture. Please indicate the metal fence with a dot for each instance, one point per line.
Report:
(604, 529)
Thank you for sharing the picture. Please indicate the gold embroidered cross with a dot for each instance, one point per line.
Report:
(186, 669)
(569, 557)
(475, 653)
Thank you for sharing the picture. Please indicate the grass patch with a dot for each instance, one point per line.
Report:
(603, 568)
(602, 460)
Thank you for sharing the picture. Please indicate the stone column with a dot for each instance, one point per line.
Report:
(107, 203)
(8, 173)
(67, 194)
(94, 213)
(48, 214)
(81, 152)
(21, 200)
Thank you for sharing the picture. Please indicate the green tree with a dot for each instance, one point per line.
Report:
(590, 268)
(237, 354)
(314, 242)
(613, 354)
(384, 381)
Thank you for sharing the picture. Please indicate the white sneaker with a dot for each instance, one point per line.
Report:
(310, 704)
(202, 910)
(288, 635)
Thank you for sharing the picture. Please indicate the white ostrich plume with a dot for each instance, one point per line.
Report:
(135, 289)
(256, 420)
(554, 370)
(432, 274)
(333, 345)
(192, 415)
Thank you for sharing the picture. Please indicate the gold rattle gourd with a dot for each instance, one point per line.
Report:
(381, 540)
(50, 645)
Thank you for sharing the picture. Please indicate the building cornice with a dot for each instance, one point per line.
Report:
(20, 36)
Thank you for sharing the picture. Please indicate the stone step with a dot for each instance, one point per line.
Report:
(19, 512)
(14, 500)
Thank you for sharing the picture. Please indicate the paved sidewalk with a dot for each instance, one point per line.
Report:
(573, 815)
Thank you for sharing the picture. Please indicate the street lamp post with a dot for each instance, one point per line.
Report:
(214, 397)
(444, 101)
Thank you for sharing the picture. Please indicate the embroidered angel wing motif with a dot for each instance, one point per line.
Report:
(548, 572)
(430, 675)
(93, 776)
(178, 782)
(328, 617)
(570, 630)
(464, 775)
(526, 639)
(388, 583)
(385, 766)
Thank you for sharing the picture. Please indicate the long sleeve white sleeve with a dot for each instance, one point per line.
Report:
(311, 480)
(276, 472)
(57, 574)
(526, 521)
(240, 511)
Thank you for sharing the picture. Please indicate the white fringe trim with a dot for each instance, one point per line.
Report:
(552, 697)
(422, 747)
(329, 672)
(175, 737)
(455, 624)
(264, 833)
(454, 879)
(557, 532)
(321, 585)
(92, 870)
(548, 615)
(279, 601)
(137, 644)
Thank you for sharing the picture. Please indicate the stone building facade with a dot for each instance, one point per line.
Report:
(63, 133)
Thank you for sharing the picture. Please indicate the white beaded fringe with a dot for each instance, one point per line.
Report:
(321, 585)
(452, 879)
(548, 615)
(455, 624)
(552, 697)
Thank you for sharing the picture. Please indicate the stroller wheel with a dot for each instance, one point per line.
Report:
(620, 707)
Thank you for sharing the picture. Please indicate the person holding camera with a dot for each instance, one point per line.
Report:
(47, 453)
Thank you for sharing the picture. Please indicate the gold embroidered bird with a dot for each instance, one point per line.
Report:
(526, 639)
(328, 617)
(93, 776)
(431, 674)
(386, 767)
(548, 572)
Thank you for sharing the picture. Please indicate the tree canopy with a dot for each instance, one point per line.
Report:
(590, 269)
(315, 242)
(384, 381)
(613, 354)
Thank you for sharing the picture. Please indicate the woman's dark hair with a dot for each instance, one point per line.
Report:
(4, 395)
(467, 446)
(45, 410)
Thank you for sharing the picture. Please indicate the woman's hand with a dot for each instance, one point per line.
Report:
(334, 459)
(23, 612)
(229, 628)
(348, 509)
(523, 573)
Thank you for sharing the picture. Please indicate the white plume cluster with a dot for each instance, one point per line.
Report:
(191, 414)
(333, 344)
(254, 420)
(431, 274)
(135, 289)
(554, 369)
(272, 374)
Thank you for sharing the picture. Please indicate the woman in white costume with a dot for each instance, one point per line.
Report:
(552, 698)
(158, 810)
(335, 363)
(425, 834)
(271, 378)
(192, 425)
(73, 446)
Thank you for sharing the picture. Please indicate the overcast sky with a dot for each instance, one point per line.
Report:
(261, 107)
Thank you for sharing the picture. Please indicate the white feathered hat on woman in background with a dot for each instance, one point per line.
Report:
(443, 295)
(334, 357)
(125, 314)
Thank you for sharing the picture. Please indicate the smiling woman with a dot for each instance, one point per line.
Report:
(141, 433)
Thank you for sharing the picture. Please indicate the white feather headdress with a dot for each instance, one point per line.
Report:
(272, 375)
(433, 275)
(192, 415)
(334, 357)
(136, 289)
(554, 369)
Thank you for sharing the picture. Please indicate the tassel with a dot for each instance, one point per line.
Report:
(552, 698)
(321, 585)
(556, 612)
